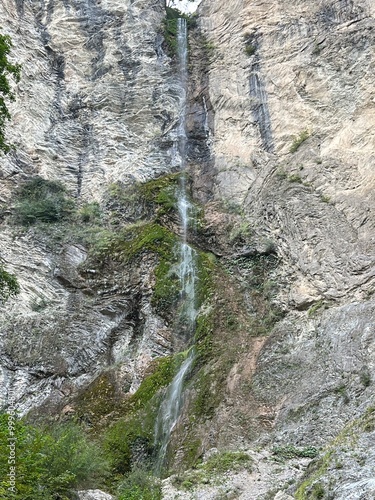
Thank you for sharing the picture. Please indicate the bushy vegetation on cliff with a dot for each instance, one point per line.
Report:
(7, 70)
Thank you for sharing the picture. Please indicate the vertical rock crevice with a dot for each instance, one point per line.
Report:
(259, 107)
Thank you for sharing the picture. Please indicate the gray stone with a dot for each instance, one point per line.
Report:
(94, 495)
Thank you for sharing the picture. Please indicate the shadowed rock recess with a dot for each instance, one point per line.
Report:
(280, 120)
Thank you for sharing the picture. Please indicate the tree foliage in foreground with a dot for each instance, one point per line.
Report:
(50, 463)
(8, 285)
(7, 69)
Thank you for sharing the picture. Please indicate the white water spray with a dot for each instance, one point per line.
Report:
(169, 412)
(172, 404)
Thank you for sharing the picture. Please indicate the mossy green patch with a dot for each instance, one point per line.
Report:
(205, 290)
(192, 451)
(208, 394)
(256, 274)
(133, 240)
(315, 471)
(162, 191)
(211, 471)
(203, 335)
(128, 243)
(136, 429)
(99, 400)
(344, 441)
(205, 263)
(162, 375)
(167, 287)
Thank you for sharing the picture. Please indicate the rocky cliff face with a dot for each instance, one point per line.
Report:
(291, 112)
(97, 104)
(280, 152)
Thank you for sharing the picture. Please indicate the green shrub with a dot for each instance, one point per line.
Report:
(250, 50)
(50, 463)
(281, 174)
(325, 198)
(170, 26)
(119, 440)
(140, 485)
(241, 232)
(295, 178)
(90, 212)
(289, 451)
(40, 200)
(9, 285)
(250, 44)
(298, 140)
(6, 70)
(317, 492)
(365, 377)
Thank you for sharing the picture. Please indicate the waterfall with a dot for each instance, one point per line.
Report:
(172, 404)
(182, 53)
(169, 412)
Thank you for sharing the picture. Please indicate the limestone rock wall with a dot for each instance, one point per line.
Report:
(279, 69)
(97, 104)
(96, 98)
(290, 92)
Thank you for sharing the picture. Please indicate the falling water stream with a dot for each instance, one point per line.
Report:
(171, 406)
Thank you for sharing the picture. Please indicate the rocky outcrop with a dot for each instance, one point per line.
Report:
(289, 88)
(94, 495)
(97, 98)
(279, 69)
(96, 105)
(307, 200)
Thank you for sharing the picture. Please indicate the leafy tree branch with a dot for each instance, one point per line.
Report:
(7, 69)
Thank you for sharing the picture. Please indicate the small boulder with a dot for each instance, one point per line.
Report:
(94, 495)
